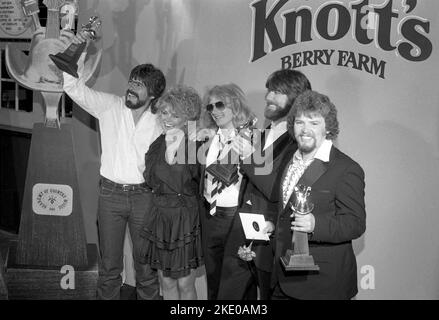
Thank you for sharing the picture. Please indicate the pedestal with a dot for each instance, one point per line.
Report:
(51, 228)
(27, 282)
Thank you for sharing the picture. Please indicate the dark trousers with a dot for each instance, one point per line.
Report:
(215, 232)
(263, 279)
(117, 208)
(278, 294)
(240, 278)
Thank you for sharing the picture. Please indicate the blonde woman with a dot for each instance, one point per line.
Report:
(171, 232)
(225, 111)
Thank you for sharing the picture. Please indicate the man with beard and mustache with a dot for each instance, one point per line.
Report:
(338, 217)
(127, 128)
(261, 196)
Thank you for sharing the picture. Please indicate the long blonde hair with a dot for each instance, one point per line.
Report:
(232, 96)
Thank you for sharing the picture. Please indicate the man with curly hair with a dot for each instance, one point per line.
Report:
(337, 192)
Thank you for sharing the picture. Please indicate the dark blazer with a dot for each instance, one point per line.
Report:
(339, 211)
(263, 192)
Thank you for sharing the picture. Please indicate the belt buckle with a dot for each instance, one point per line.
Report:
(126, 187)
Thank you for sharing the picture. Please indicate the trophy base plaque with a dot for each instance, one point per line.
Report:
(65, 64)
(298, 262)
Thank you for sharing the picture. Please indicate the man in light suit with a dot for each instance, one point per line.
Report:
(338, 216)
(261, 195)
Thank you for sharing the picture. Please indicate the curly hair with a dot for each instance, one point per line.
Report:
(311, 103)
(233, 96)
(184, 101)
(153, 78)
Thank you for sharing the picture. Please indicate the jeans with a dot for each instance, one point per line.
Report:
(117, 208)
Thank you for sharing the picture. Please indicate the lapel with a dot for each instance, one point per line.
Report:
(276, 149)
(264, 136)
(242, 190)
(204, 149)
(284, 173)
(280, 144)
(315, 170)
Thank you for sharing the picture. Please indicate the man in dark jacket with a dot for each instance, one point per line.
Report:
(261, 195)
(337, 192)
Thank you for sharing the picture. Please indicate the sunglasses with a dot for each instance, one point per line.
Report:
(219, 105)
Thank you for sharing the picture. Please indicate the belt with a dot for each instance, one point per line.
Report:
(124, 187)
(222, 211)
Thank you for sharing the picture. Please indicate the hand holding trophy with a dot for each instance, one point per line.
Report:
(298, 258)
(67, 60)
(227, 172)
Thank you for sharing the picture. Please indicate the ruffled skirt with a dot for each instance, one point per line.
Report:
(172, 236)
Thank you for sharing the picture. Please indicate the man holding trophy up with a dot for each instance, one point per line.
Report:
(334, 188)
(127, 128)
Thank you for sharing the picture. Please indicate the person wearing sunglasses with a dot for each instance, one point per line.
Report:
(171, 230)
(127, 128)
(225, 111)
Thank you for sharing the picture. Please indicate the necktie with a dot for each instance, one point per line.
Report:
(214, 192)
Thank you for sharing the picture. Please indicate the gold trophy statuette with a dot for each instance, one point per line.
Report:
(67, 61)
(298, 258)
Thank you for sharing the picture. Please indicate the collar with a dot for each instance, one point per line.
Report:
(280, 127)
(324, 151)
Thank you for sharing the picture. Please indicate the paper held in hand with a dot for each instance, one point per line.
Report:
(253, 225)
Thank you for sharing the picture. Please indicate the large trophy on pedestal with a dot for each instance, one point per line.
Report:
(298, 258)
(52, 237)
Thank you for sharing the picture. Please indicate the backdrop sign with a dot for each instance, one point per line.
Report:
(388, 26)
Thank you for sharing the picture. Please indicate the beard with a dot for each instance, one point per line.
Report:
(276, 114)
(133, 105)
(306, 147)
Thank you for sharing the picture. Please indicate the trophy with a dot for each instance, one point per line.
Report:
(227, 173)
(52, 234)
(298, 258)
(67, 60)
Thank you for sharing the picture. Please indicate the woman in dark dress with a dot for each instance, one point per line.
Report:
(172, 228)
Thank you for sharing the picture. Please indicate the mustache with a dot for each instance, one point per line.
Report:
(133, 93)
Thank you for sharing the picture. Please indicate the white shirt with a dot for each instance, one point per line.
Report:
(229, 196)
(124, 144)
(298, 166)
(275, 131)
